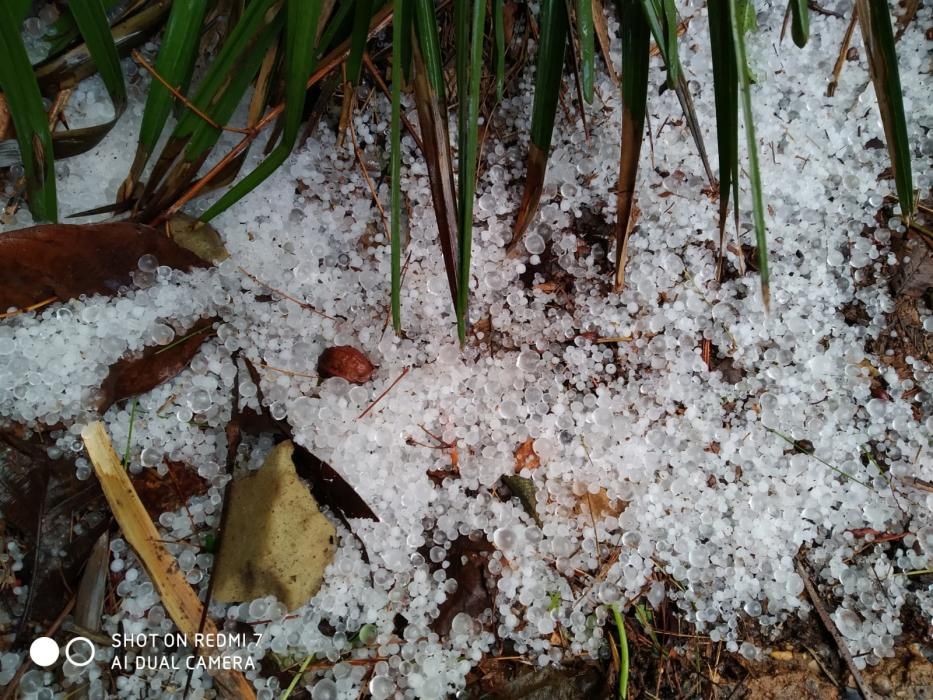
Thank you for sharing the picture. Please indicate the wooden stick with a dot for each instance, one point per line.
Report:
(180, 600)
(830, 626)
(843, 50)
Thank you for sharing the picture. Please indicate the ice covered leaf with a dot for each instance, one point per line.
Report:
(523, 488)
(281, 542)
(136, 375)
(64, 261)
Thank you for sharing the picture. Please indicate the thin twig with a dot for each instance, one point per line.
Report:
(288, 372)
(827, 621)
(329, 63)
(843, 50)
(34, 307)
(369, 181)
(381, 84)
(302, 304)
(138, 57)
(382, 395)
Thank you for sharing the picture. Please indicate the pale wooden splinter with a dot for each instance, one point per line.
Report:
(180, 600)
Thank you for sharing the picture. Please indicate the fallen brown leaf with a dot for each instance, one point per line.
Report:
(472, 595)
(166, 494)
(136, 375)
(526, 457)
(65, 261)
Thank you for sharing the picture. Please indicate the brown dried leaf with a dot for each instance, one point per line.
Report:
(42, 500)
(468, 566)
(166, 494)
(526, 457)
(65, 261)
(600, 505)
(327, 486)
(132, 376)
(6, 128)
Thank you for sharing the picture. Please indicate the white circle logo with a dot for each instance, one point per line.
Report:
(44, 651)
(80, 659)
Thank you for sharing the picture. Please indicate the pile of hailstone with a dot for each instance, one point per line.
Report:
(710, 493)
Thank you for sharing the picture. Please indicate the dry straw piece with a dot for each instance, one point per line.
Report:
(180, 600)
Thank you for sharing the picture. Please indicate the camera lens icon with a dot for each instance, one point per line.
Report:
(80, 651)
(45, 651)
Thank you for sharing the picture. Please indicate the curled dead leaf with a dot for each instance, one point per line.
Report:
(347, 362)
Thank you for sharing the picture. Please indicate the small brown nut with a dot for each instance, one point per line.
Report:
(347, 362)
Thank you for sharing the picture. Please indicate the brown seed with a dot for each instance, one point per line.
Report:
(347, 362)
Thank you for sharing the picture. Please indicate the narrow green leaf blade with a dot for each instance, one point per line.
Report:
(878, 35)
(227, 64)
(800, 22)
(28, 115)
(587, 47)
(398, 38)
(432, 117)
(468, 159)
(754, 172)
(725, 91)
(554, 25)
(429, 42)
(94, 26)
(176, 58)
(302, 17)
(363, 11)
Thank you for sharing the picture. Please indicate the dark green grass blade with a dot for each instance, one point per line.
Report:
(300, 56)
(655, 13)
(91, 18)
(334, 26)
(875, 23)
(585, 32)
(28, 115)
(175, 62)
(430, 45)
(661, 16)
(221, 108)
(800, 21)
(363, 11)
(182, 156)
(552, 44)
(498, 25)
(468, 158)
(226, 65)
(725, 90)
(462, 68)
(395, 170)
(636, 36)
(19, 9)
(64, 32)
(669, 13)
(754, 173)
